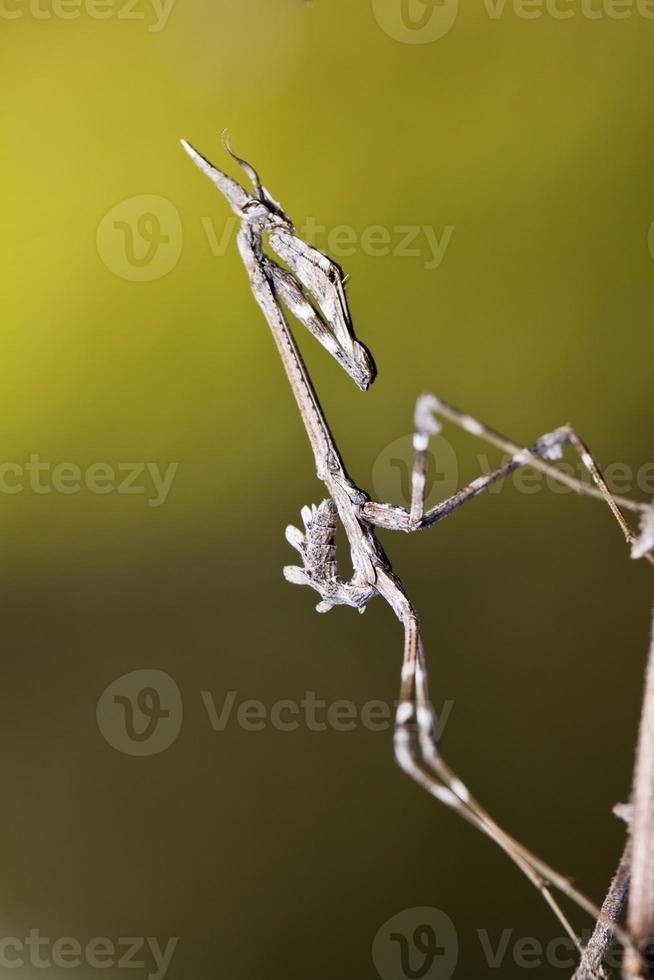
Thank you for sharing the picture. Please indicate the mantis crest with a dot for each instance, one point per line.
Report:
(310, 287)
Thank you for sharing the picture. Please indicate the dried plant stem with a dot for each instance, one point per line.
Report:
(635, 874)
(591, 965)
(640, 918)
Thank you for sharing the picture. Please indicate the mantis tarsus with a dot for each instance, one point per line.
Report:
(311, 288)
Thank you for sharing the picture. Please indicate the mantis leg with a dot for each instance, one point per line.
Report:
(541, 455)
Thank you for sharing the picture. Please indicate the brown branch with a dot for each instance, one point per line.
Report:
(635, 874)
(640, 918)
(591, 966)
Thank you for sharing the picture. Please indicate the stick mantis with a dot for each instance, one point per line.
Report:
(310, 286)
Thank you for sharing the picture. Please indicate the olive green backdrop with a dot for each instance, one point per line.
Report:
(127, 337)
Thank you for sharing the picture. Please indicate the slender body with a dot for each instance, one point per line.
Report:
(313, 291)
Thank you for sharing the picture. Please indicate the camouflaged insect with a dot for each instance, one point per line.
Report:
(312, 289)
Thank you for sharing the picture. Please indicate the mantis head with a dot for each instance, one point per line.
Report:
(259, 209)
(313, 290)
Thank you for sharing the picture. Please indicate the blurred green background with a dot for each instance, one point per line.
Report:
(281, 854)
